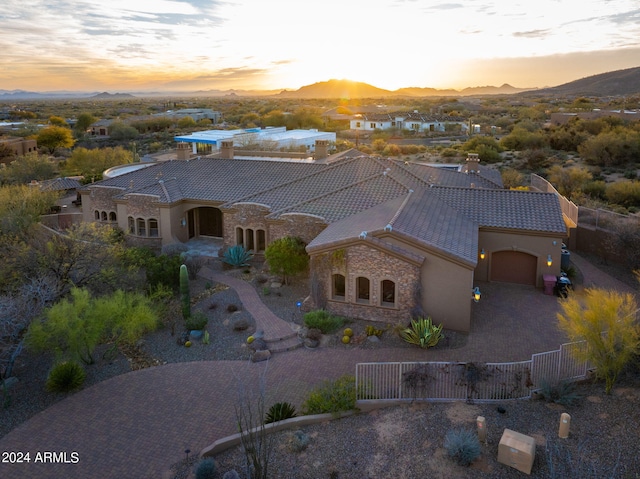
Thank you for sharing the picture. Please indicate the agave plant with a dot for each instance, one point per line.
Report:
(237, 256)
(422, 333)
(280, 411)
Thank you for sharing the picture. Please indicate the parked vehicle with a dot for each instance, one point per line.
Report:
(563, 285)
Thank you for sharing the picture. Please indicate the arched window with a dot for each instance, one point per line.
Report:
(261, 240)
(104, 216)
(112, 216)
(338, 287)
(362, 289)
(96, 215)
(250, 243)
(131, 225)
(388, 293)
(239, 236)
(153, 228)
(141, 227)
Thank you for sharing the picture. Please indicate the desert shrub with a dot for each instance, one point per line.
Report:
(323, 320)
(463, 446)
(197, 321)
(206, 469)
(65, 376)
(237, 256)
(280, 411)
(298, 441)
(194, 264)
(332, 396)
(423, 333)
(563, 392)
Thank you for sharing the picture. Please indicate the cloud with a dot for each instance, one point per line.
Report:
(532, 34)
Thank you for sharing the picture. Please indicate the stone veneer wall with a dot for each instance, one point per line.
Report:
(376, 265)
(247, 215)
(305, 227)
(102, 200)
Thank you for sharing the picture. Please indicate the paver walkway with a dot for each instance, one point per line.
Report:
(136, 425)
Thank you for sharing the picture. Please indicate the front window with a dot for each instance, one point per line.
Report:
(362, 287)
(338, 288)
(142, 227)
(153, 228)
(388, 290)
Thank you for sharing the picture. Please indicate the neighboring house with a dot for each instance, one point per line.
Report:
(100, 128)
(19, 146)
(415, 121)
(385, 238)
(270, 138)
(196, 114)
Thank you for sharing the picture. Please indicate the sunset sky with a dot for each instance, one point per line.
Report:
(188, 45)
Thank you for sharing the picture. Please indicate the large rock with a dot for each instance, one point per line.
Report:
(261, 355)
(258, 344)
(232, 474)
(239, 322)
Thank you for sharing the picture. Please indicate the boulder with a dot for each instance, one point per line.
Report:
(239, 322)
(232, 474)
(261, 355)
(311, 343)
(258, 344)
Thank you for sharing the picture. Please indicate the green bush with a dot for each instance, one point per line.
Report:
(563, 392)
(332, 396)
(65, 376)
(196, 322)
(206, 469)
(423, 333)
(323, 320)
(237, 256)
(463, 446)
(280, 411)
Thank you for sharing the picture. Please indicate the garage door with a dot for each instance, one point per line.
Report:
(513, 267)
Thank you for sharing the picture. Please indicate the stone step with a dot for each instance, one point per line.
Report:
(284, 344)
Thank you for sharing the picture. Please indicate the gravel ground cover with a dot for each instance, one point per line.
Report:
(407, 441)
(402, 441)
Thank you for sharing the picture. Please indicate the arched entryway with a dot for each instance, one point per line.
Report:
(513, 267)
(205, 221)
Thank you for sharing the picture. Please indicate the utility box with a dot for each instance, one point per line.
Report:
(549, 283)
(517, 450)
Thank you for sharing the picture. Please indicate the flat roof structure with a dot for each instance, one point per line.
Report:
(279, 136)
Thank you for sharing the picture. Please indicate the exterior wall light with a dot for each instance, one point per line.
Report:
(183, 222)
(549, 260)
(476, 294)
(482, 255)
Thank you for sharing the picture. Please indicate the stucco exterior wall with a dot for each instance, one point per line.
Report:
(446, 292)
(538, 246)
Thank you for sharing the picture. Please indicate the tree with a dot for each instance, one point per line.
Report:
(611, 147)
(83, 122)
(511, 178)
(58, 121)
(569, 182)
(92, 163)
(606, 321)
(21, 207)
(26, 168)
(120, 132)
(54, 137)
(287, 257)
(523, 139)
(74, 327)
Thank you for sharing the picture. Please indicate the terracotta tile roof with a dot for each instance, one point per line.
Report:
(60, 184)
(522, 210)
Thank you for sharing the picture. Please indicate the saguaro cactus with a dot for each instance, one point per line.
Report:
(185, 296)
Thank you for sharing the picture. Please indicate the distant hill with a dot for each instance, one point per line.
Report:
(615, 83)
(111, 96)
(351, 89)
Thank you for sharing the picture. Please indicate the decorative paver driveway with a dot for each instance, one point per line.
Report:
(136, 425)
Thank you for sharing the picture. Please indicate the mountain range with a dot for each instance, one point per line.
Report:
(619, 82)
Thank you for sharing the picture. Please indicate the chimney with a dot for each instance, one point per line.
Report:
(473, 163)
(322, 149)
(184, 152)
(226, 149)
